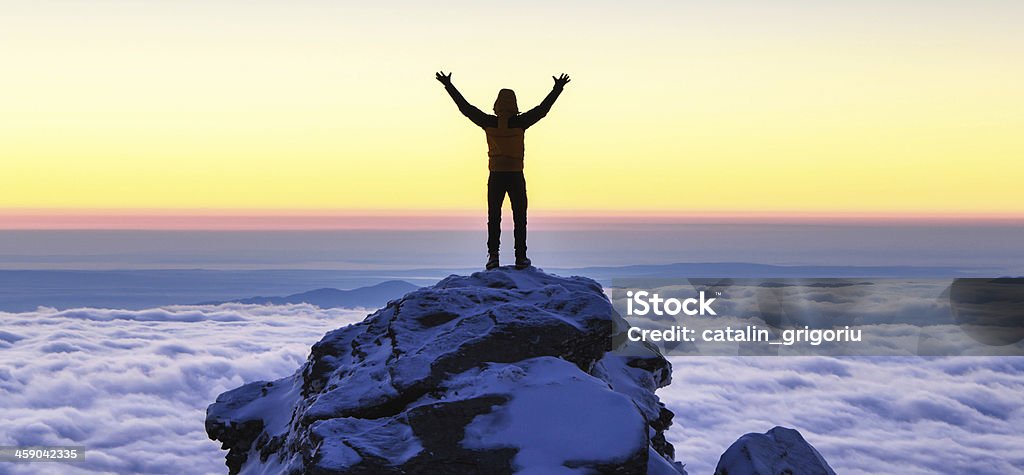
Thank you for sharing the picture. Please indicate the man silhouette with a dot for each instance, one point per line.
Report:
(505, 132)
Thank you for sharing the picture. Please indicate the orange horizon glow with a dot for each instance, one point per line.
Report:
(420, 220)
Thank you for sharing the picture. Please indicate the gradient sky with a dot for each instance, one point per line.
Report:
(798, 106)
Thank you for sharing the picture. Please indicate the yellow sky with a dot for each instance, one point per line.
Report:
(826, 107)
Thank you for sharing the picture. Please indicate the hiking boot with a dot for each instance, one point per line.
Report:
(522, 261)
(492, 261)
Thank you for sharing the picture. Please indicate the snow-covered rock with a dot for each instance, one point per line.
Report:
(504, 371)
(780, 451)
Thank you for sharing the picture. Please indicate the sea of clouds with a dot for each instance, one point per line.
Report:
(866, 415)
(133, 386)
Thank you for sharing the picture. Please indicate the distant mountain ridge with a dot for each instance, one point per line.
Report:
(371, 296)
(25, 290)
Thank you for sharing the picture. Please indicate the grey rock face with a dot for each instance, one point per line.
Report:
(780, 451)
(492, 373)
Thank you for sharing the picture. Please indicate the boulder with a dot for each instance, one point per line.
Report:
(780, 451)
(503, 371)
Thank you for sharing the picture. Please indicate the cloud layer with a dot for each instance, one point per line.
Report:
(866, 415)
(133, 386)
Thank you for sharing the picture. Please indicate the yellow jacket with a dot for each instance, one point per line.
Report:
(505, 134)
(505, 147)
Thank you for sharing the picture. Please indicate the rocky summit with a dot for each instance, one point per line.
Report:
(504, 371)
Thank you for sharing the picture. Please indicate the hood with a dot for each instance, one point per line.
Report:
(505, 105)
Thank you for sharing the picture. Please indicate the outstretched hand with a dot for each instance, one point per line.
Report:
(446, 80)
(562, 80)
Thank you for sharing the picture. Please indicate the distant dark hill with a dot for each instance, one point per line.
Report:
(372, 296)
(24, 290)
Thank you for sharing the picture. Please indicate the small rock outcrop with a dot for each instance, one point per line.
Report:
(780, 451)
(502, 371)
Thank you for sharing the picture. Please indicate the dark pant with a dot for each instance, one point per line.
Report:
(499, 183)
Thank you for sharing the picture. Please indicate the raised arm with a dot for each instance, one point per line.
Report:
(474, 114)
(531, 116)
